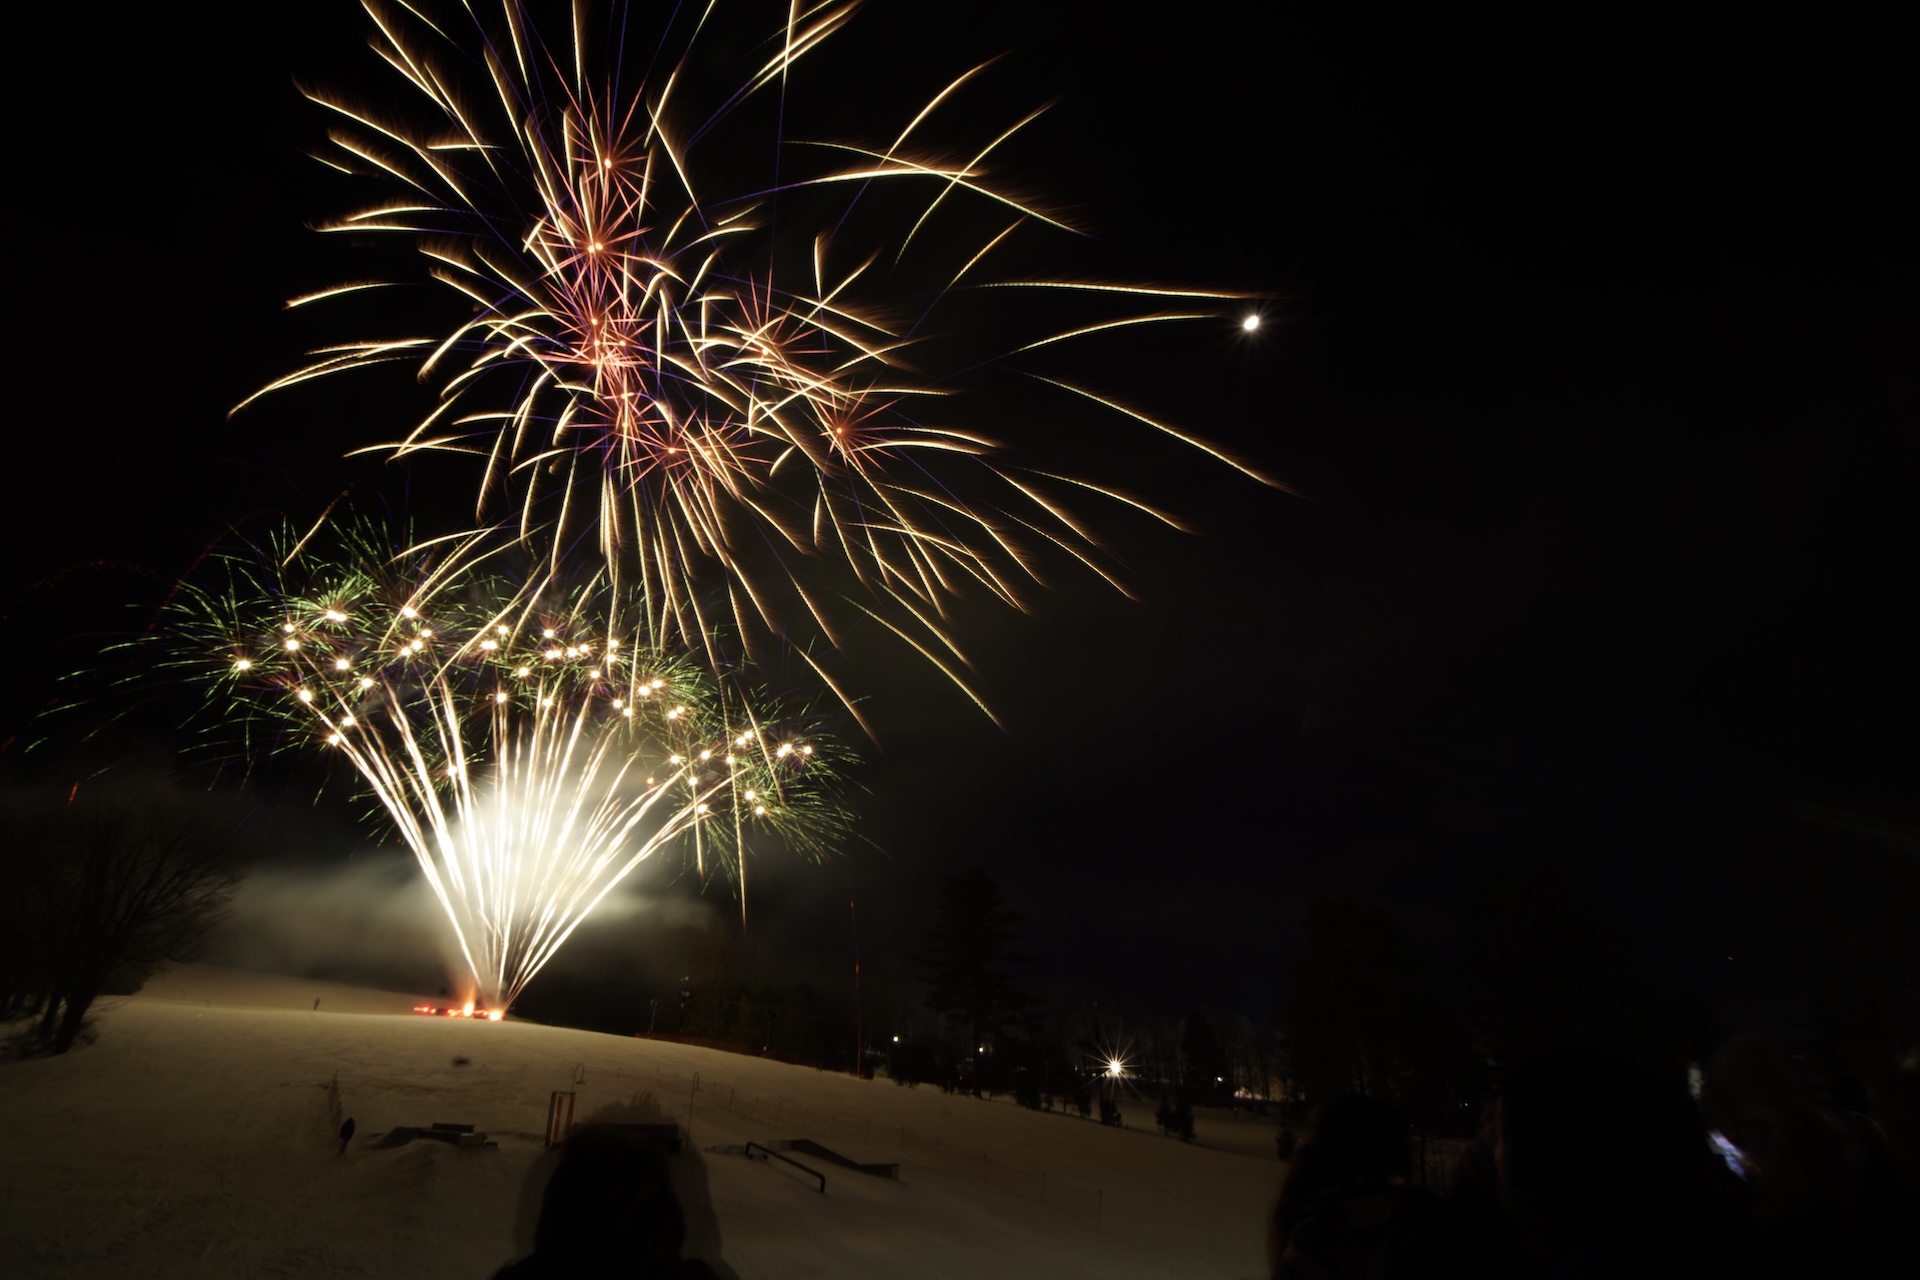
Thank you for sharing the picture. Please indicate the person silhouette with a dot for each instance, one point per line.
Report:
(609, 1208)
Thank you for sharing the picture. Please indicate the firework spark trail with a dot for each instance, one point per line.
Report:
(522, 856)
(528, 756)
(642, 367)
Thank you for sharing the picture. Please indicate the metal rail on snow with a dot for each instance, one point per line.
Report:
(768, 1151)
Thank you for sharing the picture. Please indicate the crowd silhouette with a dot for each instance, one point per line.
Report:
(1584, 1167)
(1590, 1167)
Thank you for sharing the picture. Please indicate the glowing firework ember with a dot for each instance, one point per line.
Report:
(527, 750)
(731, 410)
(469, 1010)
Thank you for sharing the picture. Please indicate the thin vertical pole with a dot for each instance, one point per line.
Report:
(854, 913)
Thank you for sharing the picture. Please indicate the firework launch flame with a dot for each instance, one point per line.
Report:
(529, 752)
(749, 442)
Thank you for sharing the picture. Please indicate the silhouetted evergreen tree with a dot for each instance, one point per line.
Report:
(1206, 1077)
(968, 964)
(710, 1007)
(1357, 1020)
(1078, 1090)
(1544, 972)
(1540, 967)
(912, 1060)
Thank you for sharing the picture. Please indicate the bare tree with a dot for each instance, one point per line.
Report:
(25, 905)
(117, 872)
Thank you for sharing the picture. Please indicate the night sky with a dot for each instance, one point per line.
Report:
(1588, 363)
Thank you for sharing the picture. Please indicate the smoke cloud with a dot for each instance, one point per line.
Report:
(375, 921)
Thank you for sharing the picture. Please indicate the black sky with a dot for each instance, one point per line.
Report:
(1588, 359)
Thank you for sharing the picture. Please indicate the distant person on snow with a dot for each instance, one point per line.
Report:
(346, 1134)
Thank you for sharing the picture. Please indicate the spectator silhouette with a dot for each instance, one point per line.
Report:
(609, 1210)
(1604, 1169)
(1898, 1113)
(1828, 1193)
(1474, 1202)
(1346, 1210)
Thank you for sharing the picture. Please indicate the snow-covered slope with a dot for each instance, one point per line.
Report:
(194, 1139)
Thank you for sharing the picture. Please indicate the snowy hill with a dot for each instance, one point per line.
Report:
(194, 1139)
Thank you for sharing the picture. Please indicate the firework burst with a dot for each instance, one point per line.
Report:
(528, 750)
(748, 441)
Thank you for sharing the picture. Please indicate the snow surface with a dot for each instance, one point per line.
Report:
(193, 1138)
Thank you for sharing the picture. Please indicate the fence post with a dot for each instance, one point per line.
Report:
(559, 1117)
(335, 1109)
